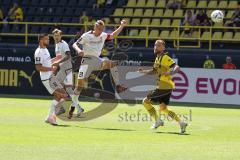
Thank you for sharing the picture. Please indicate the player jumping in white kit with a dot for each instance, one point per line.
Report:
(92, 44)
(44, 66)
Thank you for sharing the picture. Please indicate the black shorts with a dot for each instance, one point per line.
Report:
(160, 96)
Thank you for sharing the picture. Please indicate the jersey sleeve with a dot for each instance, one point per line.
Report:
(83, 39)
(168, 61)
(66, 47)
(37, 57)
(106, 36)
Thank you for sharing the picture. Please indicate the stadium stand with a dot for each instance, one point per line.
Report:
(160, 20)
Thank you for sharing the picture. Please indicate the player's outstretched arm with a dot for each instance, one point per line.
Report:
(118, 30)
(40, 68)
(149, 71)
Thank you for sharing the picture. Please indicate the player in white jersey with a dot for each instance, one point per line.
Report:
(92, 44)
(44, 66)
(63, 61)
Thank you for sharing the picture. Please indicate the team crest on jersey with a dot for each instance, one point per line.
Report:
(38, 59)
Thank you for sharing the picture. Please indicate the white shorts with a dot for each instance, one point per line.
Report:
(88, 65)
(52, 84)
(68, 80)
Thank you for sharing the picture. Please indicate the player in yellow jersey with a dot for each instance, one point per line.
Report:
(164, 67)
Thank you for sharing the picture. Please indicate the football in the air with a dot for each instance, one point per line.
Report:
(217, 16)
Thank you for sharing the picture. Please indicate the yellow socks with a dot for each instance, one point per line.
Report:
(171, 114)
(151, 110)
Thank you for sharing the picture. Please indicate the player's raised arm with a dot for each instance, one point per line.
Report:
(118, 30)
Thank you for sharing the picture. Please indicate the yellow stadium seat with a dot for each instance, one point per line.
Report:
(138, 12)
(191, 4)
(106, 20)
(158, 13)
(155, 22)
(154, 34)
(178, 13)
(148, 13)
(164, 34)
(213, 4)
(170, 1)
(227, 22)
(202, 4)
(133, 32)
(229, 14)
(223, 4)
(128, 12)
(150, 3)
(135, 21)
(233, 4)
(145, 21)
(131, 3)
(209, 13)
(176, 22)
(237, 36)
(141, 3)
(168, 13)
(228, 35)
(219, 24)
(161, 3)
(182, 34)
(195, 34)
(166, 23)
(117, 20)
(205, 36)
(143, 33)
(118, 12)
(126, 19)
(217, 36)
(173, 35)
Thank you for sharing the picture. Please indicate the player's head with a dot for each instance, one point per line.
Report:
(43, 39)
(228, 59)
(57, 35)
(159, 46)
(99, 27)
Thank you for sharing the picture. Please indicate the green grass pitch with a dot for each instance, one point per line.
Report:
(213, 134)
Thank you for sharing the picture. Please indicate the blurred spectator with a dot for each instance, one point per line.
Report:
(15, 13)
(189, 21)
(83, 18)
(202, 19)
(1, 15)
(176, 4)
(90, 23)
(99, 3)
(110, 29)
(229, 64)
(235, 20)
(104, 52)
(1, 18)
(208, 63)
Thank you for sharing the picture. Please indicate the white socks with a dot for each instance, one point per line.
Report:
(52, 108)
